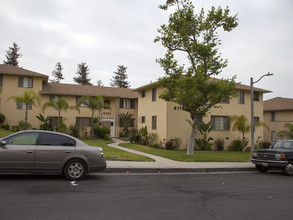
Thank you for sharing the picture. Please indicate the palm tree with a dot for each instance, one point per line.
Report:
(126, 119)
(287, 133)
(241, 124)
(60, 105)
(94, 104)
(29, 98)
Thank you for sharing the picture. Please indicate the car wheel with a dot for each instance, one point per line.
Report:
(261, 168)
(75, 169)
(288, 170)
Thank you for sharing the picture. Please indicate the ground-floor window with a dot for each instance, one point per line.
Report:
(154, 122)
(53, 122)
(220, 123)
(83, 121)
(123, 123)
(273, 135)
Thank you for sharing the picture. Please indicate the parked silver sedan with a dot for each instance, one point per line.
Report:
(38, 151)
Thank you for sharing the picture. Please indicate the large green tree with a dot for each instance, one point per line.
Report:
(120, 78)
(83, 72)
(60, 105)
(57, 73)
(12, 55)
(94, 104)
(191, 84)
(28, 99)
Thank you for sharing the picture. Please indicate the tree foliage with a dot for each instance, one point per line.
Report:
(12, 55)
(60, 105)
(57, 73)
(28, 98)
(192, 85)
(240, 123)
(83, 75)
(120, 78)
(287, 133)
(94, 104)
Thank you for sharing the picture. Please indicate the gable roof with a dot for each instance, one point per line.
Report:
(238, 87)
(82, 90)
(278, 103)
(13, 70)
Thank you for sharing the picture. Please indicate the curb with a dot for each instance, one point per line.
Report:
(176, 170)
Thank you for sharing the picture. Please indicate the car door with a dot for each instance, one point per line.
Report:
(17, 152)
(53, 150)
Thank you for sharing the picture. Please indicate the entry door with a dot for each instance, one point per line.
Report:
(110, 123)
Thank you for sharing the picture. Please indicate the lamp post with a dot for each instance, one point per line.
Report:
(252, 108)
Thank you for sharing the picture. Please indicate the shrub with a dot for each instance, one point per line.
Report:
(152, 138)
(236, 145)
(5, 127)
(21, 125)
(14, 128)
(219, 143)
(203, 144)
(169, 145)
(101, 132)
(2, 118)
(74, 130)
(265, 144)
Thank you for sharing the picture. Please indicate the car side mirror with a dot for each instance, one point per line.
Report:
(2, 143)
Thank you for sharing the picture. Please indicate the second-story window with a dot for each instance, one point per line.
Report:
(25, 82)
(256, 96)
(126, 103)
(240, 97)
(154, 94)
(1, 80)
(273, 116)
(107, 104)
(54, 97)
(143, 94)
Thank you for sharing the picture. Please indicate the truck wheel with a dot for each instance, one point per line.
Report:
(75, 169)
(288, 170)
(261, 168)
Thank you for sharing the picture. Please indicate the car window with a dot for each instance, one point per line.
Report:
(283, 144)
(23, 139)
(55, 140)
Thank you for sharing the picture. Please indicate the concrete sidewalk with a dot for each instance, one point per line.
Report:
(166, 165)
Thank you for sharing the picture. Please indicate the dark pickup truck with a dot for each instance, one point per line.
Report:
(279, 155)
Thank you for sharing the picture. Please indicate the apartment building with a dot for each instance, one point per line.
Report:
(169, 121)
(15, 81)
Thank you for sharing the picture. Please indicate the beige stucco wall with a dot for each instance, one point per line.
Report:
(174, 119)
(281, 117)
(8, 107)
(149, 108)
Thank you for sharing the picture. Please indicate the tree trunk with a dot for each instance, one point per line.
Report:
(25, 118)
(243, 147)
(190, 148)
(92, 124)
(59, 122)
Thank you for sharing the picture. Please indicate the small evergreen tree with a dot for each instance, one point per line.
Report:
(100, 83)
(57, 73)
(83, 75)
(12, 55)
(120, 77)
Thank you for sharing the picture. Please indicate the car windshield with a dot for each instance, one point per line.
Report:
(283, 145)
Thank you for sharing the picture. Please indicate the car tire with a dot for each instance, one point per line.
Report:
(288, 170)
(261, 168)
(75, 169)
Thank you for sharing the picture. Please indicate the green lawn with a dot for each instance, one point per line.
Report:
(3, 132)
(199, 156)
(116, 154)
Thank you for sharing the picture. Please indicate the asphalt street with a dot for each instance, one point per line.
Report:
(238, 195)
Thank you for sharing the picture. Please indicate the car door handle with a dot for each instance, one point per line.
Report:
(68, 152)
(30, 152)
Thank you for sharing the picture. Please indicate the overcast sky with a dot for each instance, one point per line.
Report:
(108, 33)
